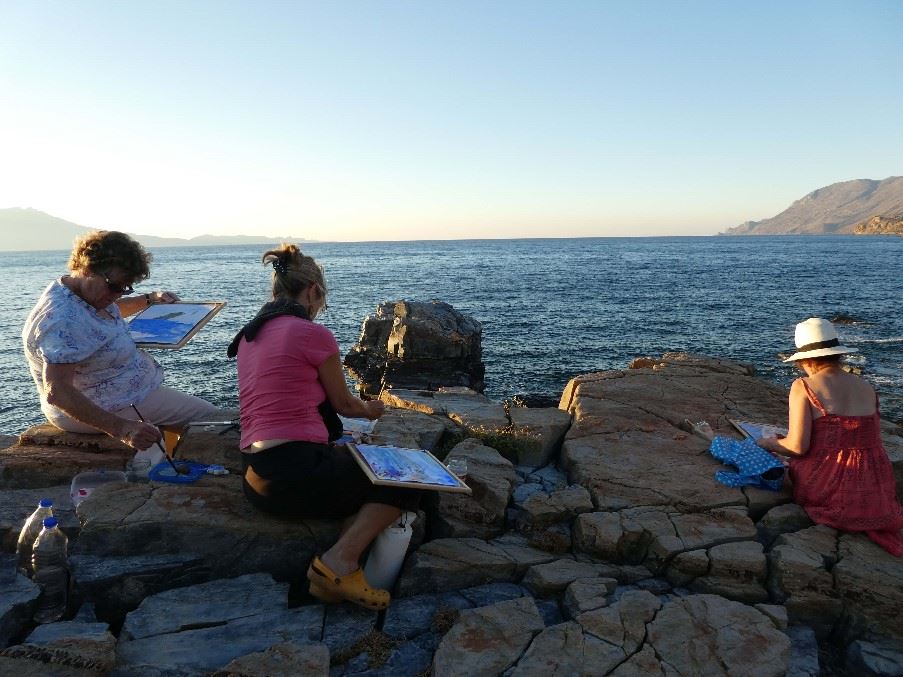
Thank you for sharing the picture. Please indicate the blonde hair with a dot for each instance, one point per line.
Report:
(101, 250)
(293, 271)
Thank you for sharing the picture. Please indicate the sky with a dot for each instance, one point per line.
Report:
(378, 120)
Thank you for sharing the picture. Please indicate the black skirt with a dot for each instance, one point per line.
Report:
(305, 479)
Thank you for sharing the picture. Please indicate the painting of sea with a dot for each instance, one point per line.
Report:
(171, 325)
(418, 468)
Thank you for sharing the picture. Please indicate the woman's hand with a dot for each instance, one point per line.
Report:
(346, 404)
(767, 443)
(375, 409)
(162, 297)
(139, 435)
(129, 305)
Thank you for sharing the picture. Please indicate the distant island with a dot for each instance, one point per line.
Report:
(33, 230)
(845, 208)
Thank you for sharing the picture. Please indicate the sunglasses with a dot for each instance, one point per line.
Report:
(117, 288)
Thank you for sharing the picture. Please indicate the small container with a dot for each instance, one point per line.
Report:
(458, 466)
(50, 560)
(85, 482)
(137, 470)
(31, 529)
(388, 551)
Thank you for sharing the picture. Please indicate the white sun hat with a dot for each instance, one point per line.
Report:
(816, 337)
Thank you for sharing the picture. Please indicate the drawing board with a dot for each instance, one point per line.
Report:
(755, 430)
(171, 325)
(397, 466)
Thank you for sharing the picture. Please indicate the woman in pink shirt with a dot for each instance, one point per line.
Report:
(290, 386)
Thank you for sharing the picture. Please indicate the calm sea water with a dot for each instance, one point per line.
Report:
(551, 309)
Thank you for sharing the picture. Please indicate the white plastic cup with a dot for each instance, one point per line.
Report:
(137, 469)
(458, 466)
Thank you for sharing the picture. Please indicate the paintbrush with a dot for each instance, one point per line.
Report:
(179, 471)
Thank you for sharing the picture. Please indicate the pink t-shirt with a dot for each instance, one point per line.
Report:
(278, 386)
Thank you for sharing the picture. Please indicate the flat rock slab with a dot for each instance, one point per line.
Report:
(622, 470)
(706, 634)
(213, 445)
(205, 605)
(117, 585)
(210, 648)
(638, 635)
(870, 583)
(800, 577)
(30, 466)
(77, 643)
(18, 601)
(654, 536)
(482, 513)
(547, 425)
(453, 563)
(49, 435)
(209, 519)
(488, 640)
(409, 429)
(552, 578)
(287, 659)
(462, 405)
(630, 444)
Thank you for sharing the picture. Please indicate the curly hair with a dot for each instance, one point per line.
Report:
(293, 271)
(101, 250)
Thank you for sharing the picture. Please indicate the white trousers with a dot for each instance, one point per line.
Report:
(164, 406)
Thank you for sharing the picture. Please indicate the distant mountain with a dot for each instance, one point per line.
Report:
(30, 229)
(833, 209)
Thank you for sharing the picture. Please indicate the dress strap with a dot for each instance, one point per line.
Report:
(813, 398)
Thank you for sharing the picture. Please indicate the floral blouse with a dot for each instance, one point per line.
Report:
(64, 329)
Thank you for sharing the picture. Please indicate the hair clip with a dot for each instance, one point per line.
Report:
(279, 266)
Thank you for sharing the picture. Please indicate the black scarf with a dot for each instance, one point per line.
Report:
(269, 311)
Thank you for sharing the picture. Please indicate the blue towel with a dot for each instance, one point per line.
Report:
(756, 467)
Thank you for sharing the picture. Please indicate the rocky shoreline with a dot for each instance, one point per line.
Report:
(596, 542)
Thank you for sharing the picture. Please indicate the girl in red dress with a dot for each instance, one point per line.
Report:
(840, 471)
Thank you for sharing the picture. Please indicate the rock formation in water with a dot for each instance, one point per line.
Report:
(881, 225)
(418, 346)
(834, 209)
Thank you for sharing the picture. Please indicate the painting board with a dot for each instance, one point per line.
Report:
(400, 467)
(171, 325)
(757, 430)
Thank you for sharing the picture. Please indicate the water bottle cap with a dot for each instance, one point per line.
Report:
(50, 522)
(46, 503)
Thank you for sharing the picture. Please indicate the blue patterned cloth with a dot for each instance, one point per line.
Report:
(756, 467)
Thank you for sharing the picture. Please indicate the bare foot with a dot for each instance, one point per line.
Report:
(341, 567)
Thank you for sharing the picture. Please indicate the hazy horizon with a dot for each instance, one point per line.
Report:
(389, 121)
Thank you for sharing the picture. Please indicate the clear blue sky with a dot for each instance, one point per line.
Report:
(380, 120)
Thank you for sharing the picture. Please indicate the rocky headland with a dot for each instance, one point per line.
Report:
(596, 542)
(835, 209)
(880, 225)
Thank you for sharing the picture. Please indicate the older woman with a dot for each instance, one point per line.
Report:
(840, 470)
(290, 384)
(89, 373)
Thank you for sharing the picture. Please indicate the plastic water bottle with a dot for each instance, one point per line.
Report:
(29, 533)
(51, 572)
(388, 551)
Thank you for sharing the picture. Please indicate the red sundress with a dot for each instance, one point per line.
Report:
(846, 481)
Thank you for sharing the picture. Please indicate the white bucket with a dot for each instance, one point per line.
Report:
(388, 551)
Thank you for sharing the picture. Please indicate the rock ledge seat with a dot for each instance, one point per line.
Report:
(610, 551)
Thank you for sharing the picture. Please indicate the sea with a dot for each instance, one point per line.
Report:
(551, 309)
